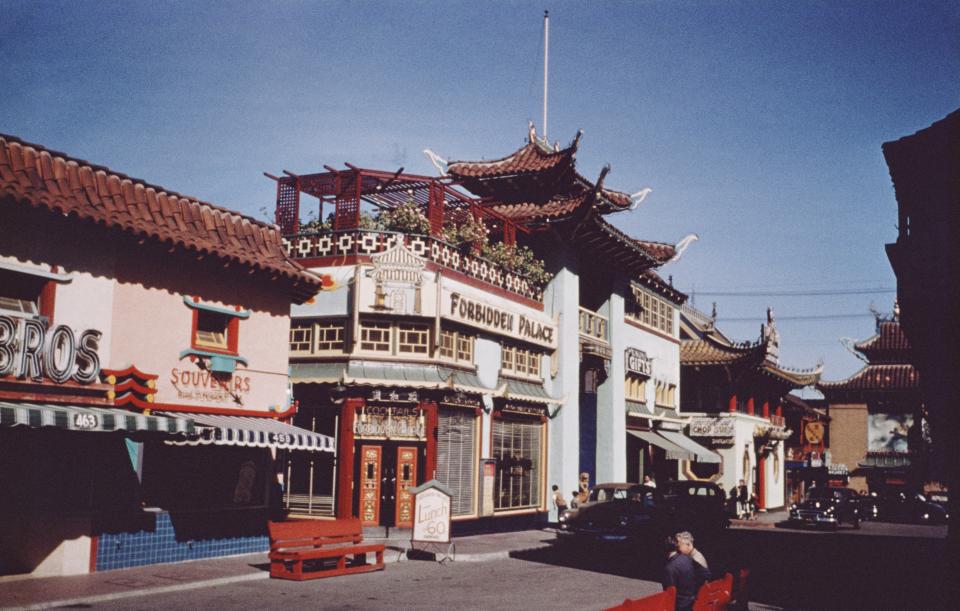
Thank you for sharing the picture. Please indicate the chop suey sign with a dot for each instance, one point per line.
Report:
(499, 319)
(31, 350)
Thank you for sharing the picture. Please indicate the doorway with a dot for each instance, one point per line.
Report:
(384, 475)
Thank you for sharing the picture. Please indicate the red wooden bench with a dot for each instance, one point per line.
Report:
(662, 601)
(741, 594)
(715, 595)
(309, 549)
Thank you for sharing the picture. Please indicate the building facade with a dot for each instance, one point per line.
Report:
(143, 369)
(734, 391)
(878, 416)
(492, 331)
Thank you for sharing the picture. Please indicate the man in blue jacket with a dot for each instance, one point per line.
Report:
(683, 573)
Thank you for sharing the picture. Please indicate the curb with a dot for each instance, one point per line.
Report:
(99, 598)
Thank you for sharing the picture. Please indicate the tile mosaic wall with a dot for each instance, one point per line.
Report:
(125, 550)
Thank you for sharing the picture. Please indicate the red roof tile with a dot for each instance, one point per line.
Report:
(883, 377)
(529, 159)
(32, 174)
(888, 344)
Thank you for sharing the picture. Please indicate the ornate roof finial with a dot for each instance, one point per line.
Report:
(769, 315)
(532, 133)
(637, 198)
(576, 139)
(713, 312)
(896, 310)
(556, 146)
(681, 247)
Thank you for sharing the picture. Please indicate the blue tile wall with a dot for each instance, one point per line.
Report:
(125, 550)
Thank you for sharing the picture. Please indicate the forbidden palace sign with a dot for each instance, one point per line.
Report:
(431, 518)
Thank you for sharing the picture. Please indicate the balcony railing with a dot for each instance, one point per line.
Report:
(593, 326)
(364, 242)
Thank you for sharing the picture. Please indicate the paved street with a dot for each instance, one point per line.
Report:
(881, 566)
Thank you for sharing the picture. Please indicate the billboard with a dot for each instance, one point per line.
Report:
(888, 432)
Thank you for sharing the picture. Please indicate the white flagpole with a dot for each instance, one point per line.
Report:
(546, 63)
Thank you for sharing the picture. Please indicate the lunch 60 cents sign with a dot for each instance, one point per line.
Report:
(431, 517)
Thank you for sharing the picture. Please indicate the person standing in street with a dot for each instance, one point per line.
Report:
(685, 546)
(649, 481)
(575, 500)
(681, 572)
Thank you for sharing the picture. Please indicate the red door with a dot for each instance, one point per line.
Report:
(406, 479)
(370, 466)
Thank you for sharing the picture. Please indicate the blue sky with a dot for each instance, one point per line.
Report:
(757, 124)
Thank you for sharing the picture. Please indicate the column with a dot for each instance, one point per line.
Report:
(345, 458)
(732, 407)
(750, 405)
(766, 408)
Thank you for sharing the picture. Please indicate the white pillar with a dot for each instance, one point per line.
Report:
(611, 418)
(562, 298)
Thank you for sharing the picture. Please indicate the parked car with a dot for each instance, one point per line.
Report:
(695, 506)
(602, 493)
(902, 507)
(621, 519)
(827, 507)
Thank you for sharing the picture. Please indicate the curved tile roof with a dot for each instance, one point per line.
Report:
(43, 178)
(877, 377)
(889, 343)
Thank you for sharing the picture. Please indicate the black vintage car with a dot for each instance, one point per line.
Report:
(827, 507)
(628, 516)
(902, 507)
(644, 514)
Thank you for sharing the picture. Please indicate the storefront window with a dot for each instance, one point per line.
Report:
(456, 459)
(636, 388)
(414, 339)
(375, 336)
(517, 448)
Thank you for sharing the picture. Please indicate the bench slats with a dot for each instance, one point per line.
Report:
(293, 542)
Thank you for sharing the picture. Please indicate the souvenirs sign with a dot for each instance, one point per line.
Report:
(500, 319)
(199, 385)
(28, 349)
(431, 520)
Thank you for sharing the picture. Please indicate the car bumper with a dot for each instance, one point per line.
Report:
(814, 519)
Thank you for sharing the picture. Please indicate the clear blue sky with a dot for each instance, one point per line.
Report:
(757, 124)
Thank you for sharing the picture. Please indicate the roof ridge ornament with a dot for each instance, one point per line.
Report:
(637, 198)
(438, 162)
(532, 133)
(680, 248)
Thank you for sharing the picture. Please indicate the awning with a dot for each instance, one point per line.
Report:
(674, 452)
(703, 454)
(317, 373)
(98, 419)
(257, 432)
(376, 373)
(526, 391)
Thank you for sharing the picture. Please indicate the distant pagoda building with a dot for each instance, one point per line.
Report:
(877, 414)
(736, 392)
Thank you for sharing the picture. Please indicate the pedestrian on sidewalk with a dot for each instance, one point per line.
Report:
(559, 503)
(575, 500)
(649, 482)
(743, 500)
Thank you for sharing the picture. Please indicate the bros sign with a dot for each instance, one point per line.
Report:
(29, 350)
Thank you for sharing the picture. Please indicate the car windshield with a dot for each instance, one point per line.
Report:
(607, 494)
(823, 493)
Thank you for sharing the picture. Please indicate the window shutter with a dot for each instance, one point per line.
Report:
(456, 463)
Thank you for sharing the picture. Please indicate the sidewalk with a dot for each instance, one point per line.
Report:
(46, 592)
(766, 519)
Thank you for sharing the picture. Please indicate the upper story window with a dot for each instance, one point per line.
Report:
(316, 337)
(394, 338)
(376, 336)
(666, 394)
(456, 346)
(650, 310)
(215, 328)
(521, 362)
(20, 293)
(635, 388)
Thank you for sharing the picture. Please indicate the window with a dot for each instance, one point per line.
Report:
(301, 337)
(650, 310)
(666, 394)
(20, 293)
(636, 388)
(456, 457)
(329, 336)
(456, 346)
(413, 339)
(520, 362)
(517, 446)
(316, 337)
(375, 336)
(213, 330)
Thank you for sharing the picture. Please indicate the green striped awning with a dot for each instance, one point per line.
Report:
(77, 418)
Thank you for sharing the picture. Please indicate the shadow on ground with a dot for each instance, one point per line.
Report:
(793, 570)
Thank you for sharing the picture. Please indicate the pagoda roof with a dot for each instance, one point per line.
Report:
(42, 178)
(886, 377)
(655, 282)
(536, 181)
(889, 344)
(706, 346)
